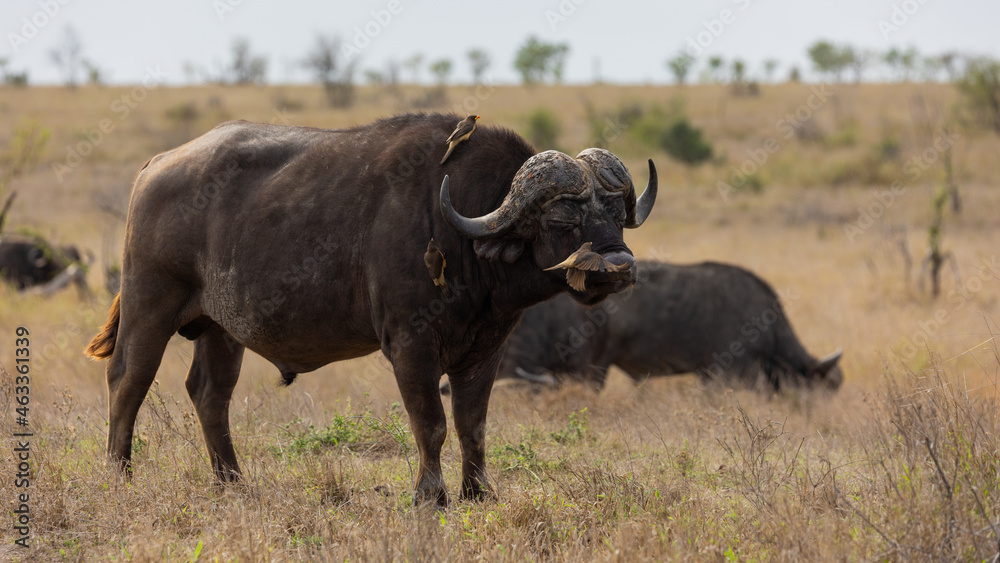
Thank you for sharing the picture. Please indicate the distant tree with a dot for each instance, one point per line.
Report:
(336, 76)
(770, 65)
(559, 53)
(93, 73)
(679, 66)
(739, 71)
(536, 60)
(828, 59)
(930, 68)
(715, 63)
(392, 74)
(901, 63)
(891, 59)
(908, 62)
(67, 57)
(980, 86)
(246, 67)
(794, 75)
(190, 71)
(441, 68)
(11, 78)
(374, 77)
(413, 65)
(948, 62)
(479, 60)
(856, 60)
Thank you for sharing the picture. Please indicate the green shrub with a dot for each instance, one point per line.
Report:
(543, 129)
(673, 133)
(980, 85)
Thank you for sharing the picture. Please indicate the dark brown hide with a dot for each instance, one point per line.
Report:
(305, 246)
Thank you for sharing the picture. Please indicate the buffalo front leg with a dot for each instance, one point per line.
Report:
(470, 401)
(214, 372)
(417, 374)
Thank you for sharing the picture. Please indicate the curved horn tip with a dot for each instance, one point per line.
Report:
(835, 355)
(644, 205)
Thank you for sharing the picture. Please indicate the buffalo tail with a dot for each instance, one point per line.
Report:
(103, 343)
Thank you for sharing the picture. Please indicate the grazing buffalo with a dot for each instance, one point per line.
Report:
(27, 262)
(718, 321)
(308, 246)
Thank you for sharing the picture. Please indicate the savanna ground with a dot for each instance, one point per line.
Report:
(901, 464)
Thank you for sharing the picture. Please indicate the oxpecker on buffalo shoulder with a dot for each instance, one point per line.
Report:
(462, 132)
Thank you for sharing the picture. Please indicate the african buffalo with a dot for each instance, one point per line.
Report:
(719, 321)
(27, 262)
(307, 246)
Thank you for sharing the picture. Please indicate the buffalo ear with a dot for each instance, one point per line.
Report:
(487, 249)
(495, 249)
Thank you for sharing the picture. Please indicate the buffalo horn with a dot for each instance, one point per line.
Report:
(489, 225)
(645, 203)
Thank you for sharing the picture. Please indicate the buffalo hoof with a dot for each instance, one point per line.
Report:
(432, 496)
(227, 476)
(477, 493)
(121, 467)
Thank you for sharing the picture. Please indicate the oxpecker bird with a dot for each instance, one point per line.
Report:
(461, 133)
(434, 260)
(582, 261)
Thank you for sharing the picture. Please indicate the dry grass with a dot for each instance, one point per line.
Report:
(902, 464)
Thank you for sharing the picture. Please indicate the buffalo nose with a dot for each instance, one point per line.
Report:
(621, 258)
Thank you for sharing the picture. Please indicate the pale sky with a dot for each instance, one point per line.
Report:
(625, 41)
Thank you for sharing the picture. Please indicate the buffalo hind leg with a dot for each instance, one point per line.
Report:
(143, 333)
(214, 372)
(417, 374)
(470, 401)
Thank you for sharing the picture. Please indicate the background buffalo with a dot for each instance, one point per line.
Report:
(716, 320)
(27, 262)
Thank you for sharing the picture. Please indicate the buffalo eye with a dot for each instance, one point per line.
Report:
(617, 209)
(563, 225)
(563, 218)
